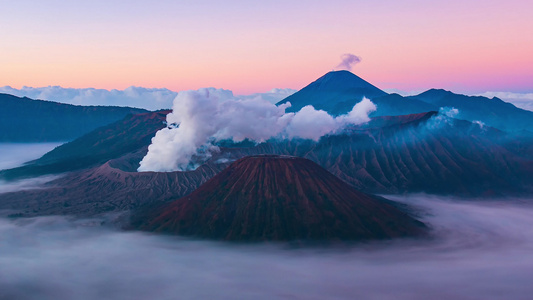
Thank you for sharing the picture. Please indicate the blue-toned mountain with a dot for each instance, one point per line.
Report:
(491, 111)
(336, 92)
(28, 120)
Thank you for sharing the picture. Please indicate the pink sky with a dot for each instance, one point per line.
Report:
(464, 46)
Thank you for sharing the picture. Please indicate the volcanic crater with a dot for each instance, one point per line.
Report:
(279, 198)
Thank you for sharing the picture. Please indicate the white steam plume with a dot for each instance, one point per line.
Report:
(443, 118)
(199, 118)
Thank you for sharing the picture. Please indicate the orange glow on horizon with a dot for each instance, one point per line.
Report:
(248, 49)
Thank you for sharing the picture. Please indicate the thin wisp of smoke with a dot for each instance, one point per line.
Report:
(201, 117)
(348, 60)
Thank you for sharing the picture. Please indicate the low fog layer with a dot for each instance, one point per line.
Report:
(15, 154)
(481, 250)
(200, 117)
(25, 184)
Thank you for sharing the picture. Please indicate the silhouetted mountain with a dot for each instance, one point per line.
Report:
(336, 92)
(128, 135)
(396, 105)
(493, 112)
(27, 120)
(263, 198)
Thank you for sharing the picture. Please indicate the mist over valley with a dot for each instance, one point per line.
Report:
(478, 250)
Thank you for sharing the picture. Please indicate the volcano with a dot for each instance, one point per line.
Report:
(336, 92)
(283, 198)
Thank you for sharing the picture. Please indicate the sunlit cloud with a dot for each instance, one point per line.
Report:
(521, 100)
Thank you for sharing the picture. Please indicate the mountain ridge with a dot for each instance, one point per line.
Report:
(491, 111)
(28, 120)
(98, 146)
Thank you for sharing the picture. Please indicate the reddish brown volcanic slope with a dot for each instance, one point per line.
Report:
(280, 198)
(115, 140)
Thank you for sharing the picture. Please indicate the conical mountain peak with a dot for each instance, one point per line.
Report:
(343, 80)
(335, 92)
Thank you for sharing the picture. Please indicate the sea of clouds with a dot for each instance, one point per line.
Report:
(15, 154)
(140, 97)
(479, 250)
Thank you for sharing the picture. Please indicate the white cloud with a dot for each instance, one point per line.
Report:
(478, 250)
(272, 96)
(479, 123)
(16, 154)
(404, 93)
(207, 115)
(147, 98)
(443, 118)
(521, 100)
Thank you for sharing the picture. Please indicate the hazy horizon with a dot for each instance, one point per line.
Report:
(162, 98)
(249, 47)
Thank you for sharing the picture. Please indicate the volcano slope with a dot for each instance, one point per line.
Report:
(421, 153)
(426, 153)
(262, 198)
(131, 134)
(27, 120)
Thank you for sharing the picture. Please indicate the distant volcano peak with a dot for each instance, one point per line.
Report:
(341, 79)
(335, 92)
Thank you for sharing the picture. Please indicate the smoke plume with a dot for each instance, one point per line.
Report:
(348, 60)
(445, 117)
(202, 117)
